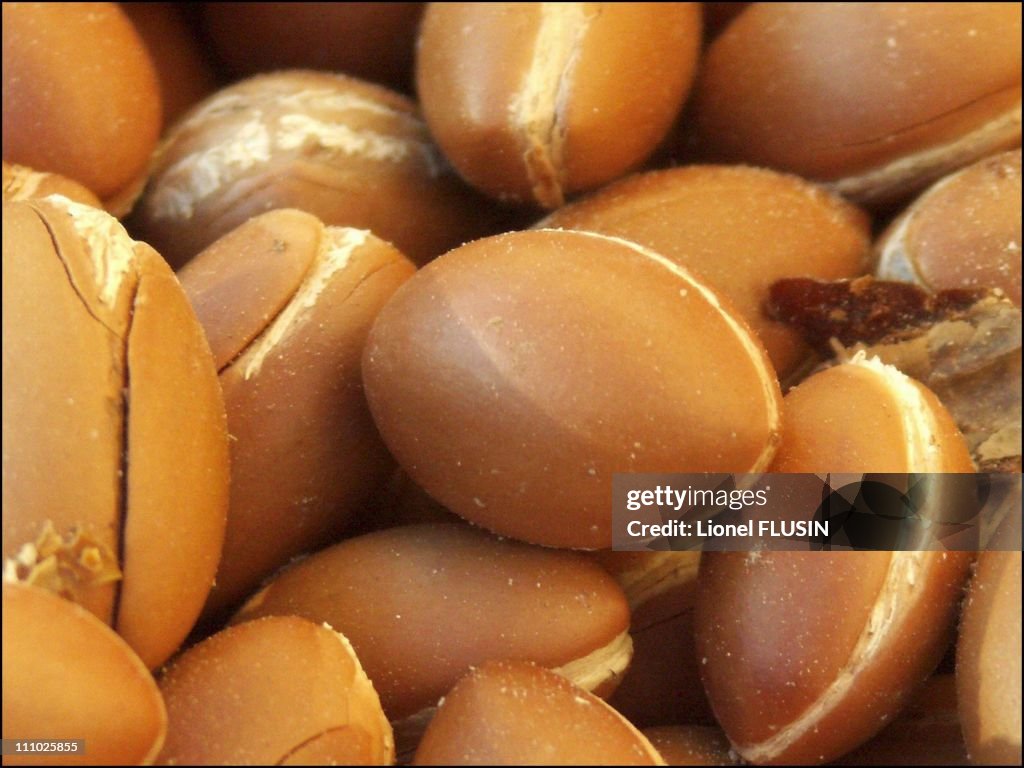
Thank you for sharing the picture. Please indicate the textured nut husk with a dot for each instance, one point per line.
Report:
(287, 304)
(66, 675)
(107, 369)
(927, 732)
(988, 661)
(515, 713)
(276, 691)
(511, 377)
(691, 745)
(662, 684)
(421, 604)
(533, 101)
(182, 67)
(351, 153)
(739, 228)
(22, 183)
(59, 63)
(373, 41)
(964, 232)
(882, 98)
(805, 655)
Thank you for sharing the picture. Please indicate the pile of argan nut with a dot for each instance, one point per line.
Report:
(326, 326)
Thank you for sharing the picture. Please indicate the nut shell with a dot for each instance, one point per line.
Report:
(988, 661)
(511, 377)
(422, 604)
(513, 713)
(534, 101)
(280, 690)
(881, 98)
(22, 183)
(99, 347)
(66, 675)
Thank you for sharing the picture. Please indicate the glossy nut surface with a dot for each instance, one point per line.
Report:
(22, 183)
(964, 232)
(513, 713)
(287, 303)
(66, 675)
(276, 691)
(115, 480)
(351, 153)
(421, 604)
(880, 98)
(511, 377)
(534, 101)
(59, 63)
(739, 228)
(988, 661)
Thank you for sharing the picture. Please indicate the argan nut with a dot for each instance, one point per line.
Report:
(513, 376)
(964, 232)
(927, 732)
(182, 67)
(423, 603)
(66, 675)
(115, 465)
(80, 94)
(372, 41)
(287, 303)
(276, 691)
(21, 183)
(534, 101)
(350, 153)
(516, 713)
(739, 228)
(805, 655)
(881, 99)
(691, 744)
(662, 684)
(988, 661)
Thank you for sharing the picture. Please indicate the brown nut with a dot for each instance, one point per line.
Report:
(805, 655)
(80, 95)
(516, 713)
(662, 684)
(115, 466)
(691, 745)
(534, 101)
(964, 232)
(511, 377)
(373, 41)
(66, 675)
(287, 303)
(879, 98)
(423, 603)
(739, 228)
(22, 183)
(988, 661)
(351, 153)
(276, 691)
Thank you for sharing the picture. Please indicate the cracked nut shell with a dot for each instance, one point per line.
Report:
(115, 466)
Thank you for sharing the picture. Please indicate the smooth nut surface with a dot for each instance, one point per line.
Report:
(739, 228)
(511, 377)
(513, 713)
(66, 675)
(115, 460)
(277, 691)
(988, 661)
(287, 303)
(880, 98)
(351, 153)
(533, 101)
(22, 183)
(421, 604)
